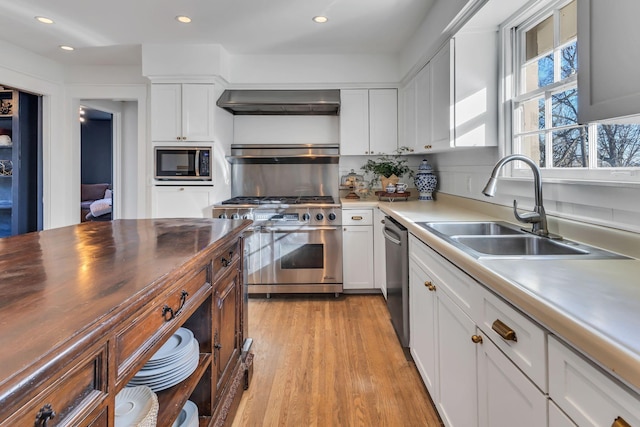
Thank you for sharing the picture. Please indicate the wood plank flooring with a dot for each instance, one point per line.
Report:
(325, 361)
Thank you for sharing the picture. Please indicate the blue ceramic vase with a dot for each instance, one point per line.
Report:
(425, 181)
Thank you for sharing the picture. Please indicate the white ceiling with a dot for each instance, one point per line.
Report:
(111, 32)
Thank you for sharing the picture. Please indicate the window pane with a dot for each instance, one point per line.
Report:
(564, 108)
(570, 148)
(538, 73)
(568, 22)
(569, 65)
(539, 39)
(618, 145)
(533, 146)
(533, 115)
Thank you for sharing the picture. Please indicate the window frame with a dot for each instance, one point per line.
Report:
(513, 53)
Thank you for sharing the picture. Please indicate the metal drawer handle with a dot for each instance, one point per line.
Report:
(504, 331)
(45, 414)
(225, 262)
(430, 286)
(620, 422)
(356, 218)
(168, 310)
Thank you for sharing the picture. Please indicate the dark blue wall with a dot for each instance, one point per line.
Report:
(96, 151)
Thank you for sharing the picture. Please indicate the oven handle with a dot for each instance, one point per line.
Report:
(390, 238)
(296, 230)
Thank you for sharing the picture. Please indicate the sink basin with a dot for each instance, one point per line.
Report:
(490, 228)
(522, 245)
(501, 240)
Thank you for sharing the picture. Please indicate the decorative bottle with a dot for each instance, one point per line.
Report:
(425, 181)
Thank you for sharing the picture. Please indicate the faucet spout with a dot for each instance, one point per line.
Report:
(538, 217)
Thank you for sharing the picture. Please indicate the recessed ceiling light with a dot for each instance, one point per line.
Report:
(183, 19)
(63, 47)
(320, 19)
(44, 19)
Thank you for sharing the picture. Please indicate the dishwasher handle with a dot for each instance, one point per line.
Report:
(390, 238)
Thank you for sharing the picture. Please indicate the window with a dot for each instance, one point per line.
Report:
(545, 106)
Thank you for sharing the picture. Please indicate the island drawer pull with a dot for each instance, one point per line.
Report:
(45, 414)
(168, 310)
(225, 262)
(504, 331)
(620, 422)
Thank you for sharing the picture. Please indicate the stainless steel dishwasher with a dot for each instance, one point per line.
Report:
(397, 258)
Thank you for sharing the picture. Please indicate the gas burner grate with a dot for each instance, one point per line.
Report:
(278, 200)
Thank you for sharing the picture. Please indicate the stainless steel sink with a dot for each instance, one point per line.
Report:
(501, 240)
(490, 228)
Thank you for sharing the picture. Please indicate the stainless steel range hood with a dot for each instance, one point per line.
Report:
(281, 102)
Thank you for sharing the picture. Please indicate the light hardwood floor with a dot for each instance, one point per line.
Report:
(325, 361)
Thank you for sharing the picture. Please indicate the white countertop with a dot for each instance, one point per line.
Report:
(594, 305)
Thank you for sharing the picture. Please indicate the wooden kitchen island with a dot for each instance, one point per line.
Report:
(82, 308)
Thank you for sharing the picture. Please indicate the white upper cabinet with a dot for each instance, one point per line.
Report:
(182, 112)
(608, 83)
(368, 121)
(441, 91)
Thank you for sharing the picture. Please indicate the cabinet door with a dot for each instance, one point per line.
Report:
(607, 71)
(198, 102)
(423, 110)
(383, 121)
(166, 112)
(557, 418)
(181, 202)
(354, 122)
(476, 89)
(456, 398)
(226, 331)
(379, 254)
(408, 129)
(357, 257)
(441, 96)
(506, 397)
(423, 325)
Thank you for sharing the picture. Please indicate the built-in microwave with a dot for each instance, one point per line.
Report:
(183, 163)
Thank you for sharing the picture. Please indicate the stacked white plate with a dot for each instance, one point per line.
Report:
(171, 364)
(136, 406)
(188, 416)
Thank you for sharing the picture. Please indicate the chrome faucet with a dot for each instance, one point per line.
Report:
(538, 217)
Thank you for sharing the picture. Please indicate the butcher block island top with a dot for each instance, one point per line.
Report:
(82, 308)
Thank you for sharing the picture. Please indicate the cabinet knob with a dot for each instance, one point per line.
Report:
(620, 422)
(430, 286)
(504, 331)
(476, 339)
(427, 147)
(178, 138)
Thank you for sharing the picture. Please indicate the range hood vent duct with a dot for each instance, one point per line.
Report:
(281, 102)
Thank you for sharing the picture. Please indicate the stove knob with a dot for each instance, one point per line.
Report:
(306, 217)
(319, 217)
(332, 216)
(246, 216)
(222, 216)
(235, 216)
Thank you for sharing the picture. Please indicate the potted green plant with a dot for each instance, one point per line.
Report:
(388, 168)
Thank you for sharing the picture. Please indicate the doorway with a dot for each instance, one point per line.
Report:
(96, 164)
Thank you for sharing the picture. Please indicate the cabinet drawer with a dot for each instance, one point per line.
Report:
(73, 396)
(585, 393)
(357, 217)
(458, 285)
(224, 259)
(141, 332)
(522, 340)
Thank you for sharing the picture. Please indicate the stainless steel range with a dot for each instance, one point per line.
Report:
(295, 243)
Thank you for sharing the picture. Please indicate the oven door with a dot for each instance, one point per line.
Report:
(301, 255)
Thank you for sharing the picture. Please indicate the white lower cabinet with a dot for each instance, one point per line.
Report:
(357, 249)
(471, 380)
(181, 202)
(379, 254)
(586, 394)
(506, 397)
